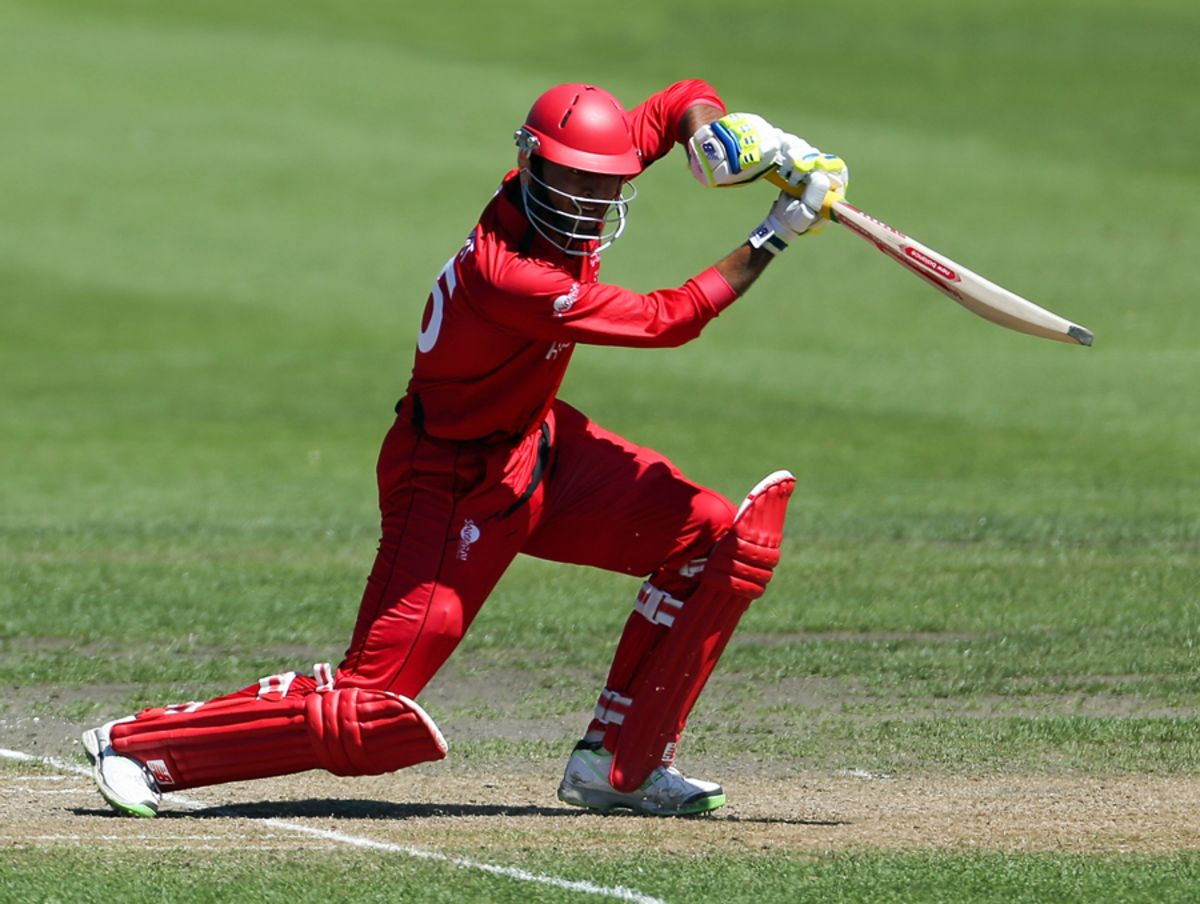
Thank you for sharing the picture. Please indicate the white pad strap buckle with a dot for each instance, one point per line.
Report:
(275, 686)
(657, 606)
(323, 675)
(612, 707)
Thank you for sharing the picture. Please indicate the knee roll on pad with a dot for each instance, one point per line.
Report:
(741, 567)
(361, 732)
(744, 559)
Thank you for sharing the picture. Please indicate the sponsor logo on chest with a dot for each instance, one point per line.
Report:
(467, 537)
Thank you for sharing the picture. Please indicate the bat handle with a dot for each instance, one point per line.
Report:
(832, 197)
(777, 180)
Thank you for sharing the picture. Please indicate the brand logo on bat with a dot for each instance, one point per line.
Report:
(929, 263)
(909, 263)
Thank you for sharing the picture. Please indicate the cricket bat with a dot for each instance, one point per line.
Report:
(976, 294)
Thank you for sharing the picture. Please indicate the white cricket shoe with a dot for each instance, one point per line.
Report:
(665, 793)
(125, 783)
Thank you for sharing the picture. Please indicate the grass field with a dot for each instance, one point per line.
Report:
(219, 225)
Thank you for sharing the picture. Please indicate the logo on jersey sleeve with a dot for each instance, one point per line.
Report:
(565, 302)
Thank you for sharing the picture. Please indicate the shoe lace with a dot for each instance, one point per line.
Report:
(669, 782)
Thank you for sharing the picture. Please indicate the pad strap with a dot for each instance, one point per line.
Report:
(612, 707)
(657, 606)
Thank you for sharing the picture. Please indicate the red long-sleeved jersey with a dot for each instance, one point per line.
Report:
(507, 309)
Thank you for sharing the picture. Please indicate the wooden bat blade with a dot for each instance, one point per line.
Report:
(976, 294)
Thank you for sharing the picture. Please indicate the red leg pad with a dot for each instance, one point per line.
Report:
(361, 732)
(738, 569)
(348, 732)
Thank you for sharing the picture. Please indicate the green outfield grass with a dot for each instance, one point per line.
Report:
(219, 223)
(988, 879)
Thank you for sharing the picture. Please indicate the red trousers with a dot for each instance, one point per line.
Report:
(456, 514)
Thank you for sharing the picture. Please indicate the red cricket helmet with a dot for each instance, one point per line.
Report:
(583, 127)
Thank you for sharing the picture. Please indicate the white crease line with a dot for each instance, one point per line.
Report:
(49, 761)
(618, 892)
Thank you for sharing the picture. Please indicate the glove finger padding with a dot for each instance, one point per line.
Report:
(800, 160)
(820, 193)
(733, 150)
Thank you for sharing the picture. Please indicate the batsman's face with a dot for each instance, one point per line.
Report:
(578, 211)
(593, 192)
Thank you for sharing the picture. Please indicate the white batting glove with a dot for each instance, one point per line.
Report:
(742, 147)
(735, 149)
(791, 217)
(798, 159)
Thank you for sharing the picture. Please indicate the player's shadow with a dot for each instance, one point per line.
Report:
(380, 810)
(362, 809)
(781, 820)
(376, 809)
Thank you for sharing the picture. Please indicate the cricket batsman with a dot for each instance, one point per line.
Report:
(484, 461)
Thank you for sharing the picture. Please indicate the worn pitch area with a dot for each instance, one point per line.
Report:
(511, 807)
